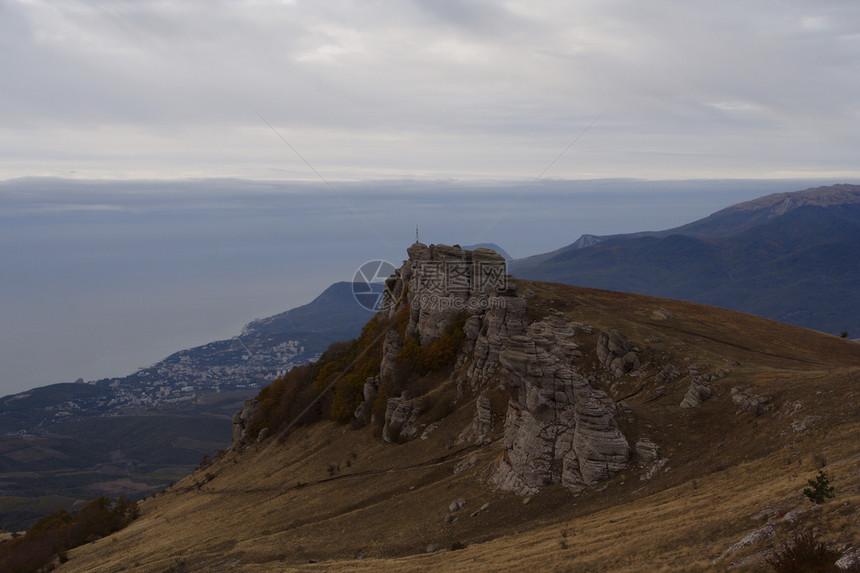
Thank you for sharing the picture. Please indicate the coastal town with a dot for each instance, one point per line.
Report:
(195, 379)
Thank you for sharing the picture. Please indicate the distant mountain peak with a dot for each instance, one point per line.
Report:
(786, 256)
(586, 241)
(780, 203)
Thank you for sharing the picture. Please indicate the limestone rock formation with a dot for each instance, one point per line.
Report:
(749, 402)
(646, 451)
(850, 560)
(457, 505)
(700, 387)
(668, 374)
(481, 424)
(401, 415)
(365, 409)
(558, 428)
(698, 392)
(616, 353)
(242, 420)
(436, 284)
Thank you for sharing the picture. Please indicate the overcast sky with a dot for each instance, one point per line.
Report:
(436, 88)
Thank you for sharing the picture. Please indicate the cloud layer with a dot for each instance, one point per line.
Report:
(428, 88)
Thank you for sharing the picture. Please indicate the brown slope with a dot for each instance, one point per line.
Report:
(276, 506)
(734, 335)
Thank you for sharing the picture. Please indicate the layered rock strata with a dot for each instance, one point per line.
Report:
(557, 428)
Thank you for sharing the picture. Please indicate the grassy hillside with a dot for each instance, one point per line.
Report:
(83, 459)
(337, 495)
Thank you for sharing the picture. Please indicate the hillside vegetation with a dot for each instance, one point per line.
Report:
(331, 496)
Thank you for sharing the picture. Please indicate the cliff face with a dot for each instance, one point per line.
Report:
(557, 428)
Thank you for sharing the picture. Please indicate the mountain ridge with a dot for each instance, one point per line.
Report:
(797, 250)
(571, 428)
(714, 225)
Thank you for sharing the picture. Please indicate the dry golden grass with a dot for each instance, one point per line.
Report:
(334, 494)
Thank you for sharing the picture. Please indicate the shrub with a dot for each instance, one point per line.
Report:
(804, 554)
(331, 387)
(56, 533)
(179, 566)
(437, 355)
(819, 489)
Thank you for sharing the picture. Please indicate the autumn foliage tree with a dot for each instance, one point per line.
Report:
(333, 386)
(329, 388)
(60, 531)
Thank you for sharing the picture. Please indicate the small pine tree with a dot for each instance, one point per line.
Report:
(819, 489)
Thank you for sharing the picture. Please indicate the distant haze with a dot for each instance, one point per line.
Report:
(100, 278)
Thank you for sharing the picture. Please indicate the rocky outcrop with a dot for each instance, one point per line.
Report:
(646, 451)
(752, 538)
(557, 428)
(242, 420)
(497, 325)
(364, 412)
(667, 374)
(647, 457)
(701, 387)
(616, 353)
(585, 241)
(482, 424)
(457, 505)
(698, 392)
(401, 416)
(390, 348)
(850, 560)
(438, 283)
(746, 401)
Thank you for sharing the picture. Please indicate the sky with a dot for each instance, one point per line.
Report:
(171, 170)
(666, 89)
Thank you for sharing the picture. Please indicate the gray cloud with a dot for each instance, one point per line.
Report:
(462, 89)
